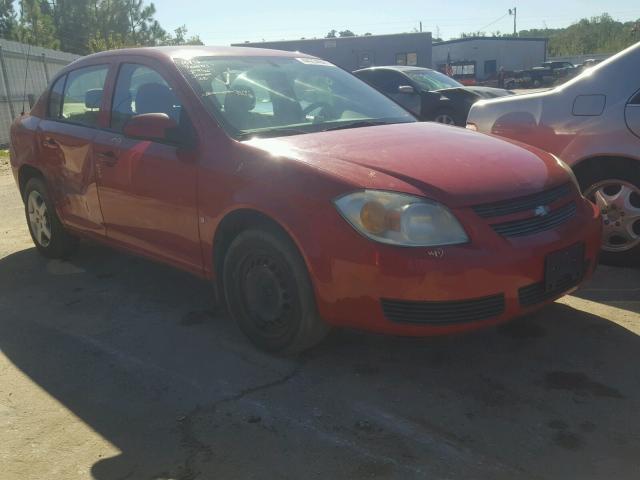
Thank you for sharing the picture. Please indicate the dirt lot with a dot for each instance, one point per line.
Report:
(112, 367)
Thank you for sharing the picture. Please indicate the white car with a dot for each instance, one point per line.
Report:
(592, 123)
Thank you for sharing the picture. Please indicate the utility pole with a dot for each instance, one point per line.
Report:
(420, 26)
(513, 11)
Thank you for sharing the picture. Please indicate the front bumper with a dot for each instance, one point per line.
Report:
(370, 286)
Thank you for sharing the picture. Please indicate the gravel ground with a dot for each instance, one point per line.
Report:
(112, 367)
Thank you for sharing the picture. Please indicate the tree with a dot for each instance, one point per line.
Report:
(346, 33)
(8, 20)
(180, 38)
(36, 24)
(331, 34)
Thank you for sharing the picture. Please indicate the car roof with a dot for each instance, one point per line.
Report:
(397, 68)
(189, 51)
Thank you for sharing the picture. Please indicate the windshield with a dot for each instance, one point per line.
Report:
(432, 80)
(273, 96)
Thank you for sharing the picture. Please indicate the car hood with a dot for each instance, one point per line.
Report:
(479, 92)
(448, 164)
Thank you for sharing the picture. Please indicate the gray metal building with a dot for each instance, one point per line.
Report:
(483, 56)
(352, 53)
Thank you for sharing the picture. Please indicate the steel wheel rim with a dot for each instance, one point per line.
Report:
(39, 219)
(445, 119)
(619, 204)
(266, 295)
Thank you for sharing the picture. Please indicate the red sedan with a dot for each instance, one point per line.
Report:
(308, 198)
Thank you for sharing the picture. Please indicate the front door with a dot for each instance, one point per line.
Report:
(147, 188)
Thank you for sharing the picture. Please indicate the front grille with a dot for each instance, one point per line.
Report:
(521, 204)
(529, 226)
(441, 313)
(535, 293)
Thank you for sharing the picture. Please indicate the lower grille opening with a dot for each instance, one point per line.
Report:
(442, 313)
(536, 293)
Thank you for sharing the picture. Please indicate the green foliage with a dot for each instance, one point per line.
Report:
(601, 34)
(8, 20)
(86, 26)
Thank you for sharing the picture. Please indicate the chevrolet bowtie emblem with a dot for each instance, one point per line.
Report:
(541, 211)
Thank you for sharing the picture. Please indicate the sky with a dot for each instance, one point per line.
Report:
(222, 23)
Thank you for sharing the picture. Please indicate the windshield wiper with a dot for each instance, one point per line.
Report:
(358, 124)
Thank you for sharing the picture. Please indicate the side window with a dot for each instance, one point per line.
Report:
(140, 89)
(83, 95)
(55, 98)
(388, 82)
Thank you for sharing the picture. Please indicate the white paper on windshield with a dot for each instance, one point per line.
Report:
(314, 61)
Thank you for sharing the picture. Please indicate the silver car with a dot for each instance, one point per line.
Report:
(592, 122)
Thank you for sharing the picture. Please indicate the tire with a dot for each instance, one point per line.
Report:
(447, 116)
(611, 188)
(269, 294)
(47, 232)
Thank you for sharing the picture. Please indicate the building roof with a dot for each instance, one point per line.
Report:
(340, 39)
(505, 39)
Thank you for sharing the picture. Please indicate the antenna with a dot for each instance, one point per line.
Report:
(26, 72)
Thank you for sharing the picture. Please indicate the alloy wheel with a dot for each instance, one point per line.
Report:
(619, 203)
(445, 118)
(39, 219)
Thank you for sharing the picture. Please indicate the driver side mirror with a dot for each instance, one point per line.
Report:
(152, 126)
(406, 89)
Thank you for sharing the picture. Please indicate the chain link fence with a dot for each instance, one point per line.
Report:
(24, 74)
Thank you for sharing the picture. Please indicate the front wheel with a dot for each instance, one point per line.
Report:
(48, 234)
(617, 195)
(269, 294)
(447, 117)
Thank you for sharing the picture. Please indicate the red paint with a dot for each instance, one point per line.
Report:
(166, 202)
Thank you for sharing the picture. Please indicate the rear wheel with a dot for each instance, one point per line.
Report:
(48, 234)
(616, 192)
(269, 294)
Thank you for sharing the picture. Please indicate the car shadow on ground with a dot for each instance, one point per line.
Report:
(137, 352)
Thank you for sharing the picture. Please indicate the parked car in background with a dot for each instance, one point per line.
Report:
(429, 94)
(306, 196)
(547, 74)
(591, 122)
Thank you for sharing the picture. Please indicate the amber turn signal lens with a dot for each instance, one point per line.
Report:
(374, 217)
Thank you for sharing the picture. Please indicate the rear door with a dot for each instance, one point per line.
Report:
(147, 188)
(66, 145)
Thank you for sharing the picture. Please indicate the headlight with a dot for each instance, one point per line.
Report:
(400, 219)
(567, 169)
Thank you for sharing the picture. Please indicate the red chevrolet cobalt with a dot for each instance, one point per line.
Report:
(307, 197)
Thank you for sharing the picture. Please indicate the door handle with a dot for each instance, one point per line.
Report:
(49, 142)
(108, 158)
